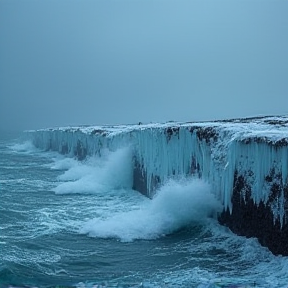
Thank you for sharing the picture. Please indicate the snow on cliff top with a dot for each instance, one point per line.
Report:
(271, 128)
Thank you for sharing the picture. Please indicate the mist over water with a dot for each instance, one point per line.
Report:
(72, 223)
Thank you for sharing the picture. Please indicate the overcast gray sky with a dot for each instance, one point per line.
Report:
(69, 62)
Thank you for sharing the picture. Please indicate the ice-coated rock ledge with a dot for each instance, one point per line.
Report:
(245, 161)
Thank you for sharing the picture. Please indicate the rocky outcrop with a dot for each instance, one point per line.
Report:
(257, 220)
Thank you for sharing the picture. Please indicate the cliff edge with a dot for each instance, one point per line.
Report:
(244, 160)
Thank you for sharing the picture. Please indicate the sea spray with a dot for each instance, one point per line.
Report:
(42, 246)
(97, 174)
(64, 163)
(24, 147)
(176, 205)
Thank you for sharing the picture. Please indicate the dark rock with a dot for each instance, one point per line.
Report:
(208, 134)
(264, 140)
(139, 178)
(81, 151)
(140, 181)
(64, 149)
(279, 122)
(170, 131)
(252, 220)
(99, 131)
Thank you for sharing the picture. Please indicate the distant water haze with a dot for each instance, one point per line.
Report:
(117, 62)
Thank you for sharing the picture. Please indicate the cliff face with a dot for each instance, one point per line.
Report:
(245, 161)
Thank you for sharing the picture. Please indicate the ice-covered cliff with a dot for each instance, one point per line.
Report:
(245, 161)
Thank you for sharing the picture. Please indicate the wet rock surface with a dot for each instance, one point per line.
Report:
(256, 220)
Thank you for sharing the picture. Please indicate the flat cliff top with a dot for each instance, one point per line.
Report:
(260, 129)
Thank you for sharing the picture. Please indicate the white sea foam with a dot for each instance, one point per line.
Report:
(215, 256)
(176, 205)
(177, 149)
(63, 163)
(26, 146)
(97, 175)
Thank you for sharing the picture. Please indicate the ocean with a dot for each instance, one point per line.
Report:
(66, 223)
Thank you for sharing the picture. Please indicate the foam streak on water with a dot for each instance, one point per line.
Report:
(71, 223)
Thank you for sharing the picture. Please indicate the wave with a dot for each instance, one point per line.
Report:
(25, 147)
(96, 175)
(176, 205)
(63, 164)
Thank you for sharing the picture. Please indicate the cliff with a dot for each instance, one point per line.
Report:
(245, 161)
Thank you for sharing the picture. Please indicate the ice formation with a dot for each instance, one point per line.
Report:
(218, 152)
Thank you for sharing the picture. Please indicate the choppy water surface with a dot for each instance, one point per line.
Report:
(66, 223)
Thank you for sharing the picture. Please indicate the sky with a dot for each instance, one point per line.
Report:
(95, 62)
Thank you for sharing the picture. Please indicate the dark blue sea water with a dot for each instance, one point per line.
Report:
(78, 224)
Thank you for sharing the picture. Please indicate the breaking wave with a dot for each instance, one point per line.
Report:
(24, 147)
(96, 175)
(176, 205)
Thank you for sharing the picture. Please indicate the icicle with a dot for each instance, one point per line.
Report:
(211, 151)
